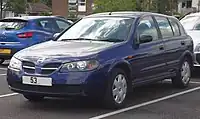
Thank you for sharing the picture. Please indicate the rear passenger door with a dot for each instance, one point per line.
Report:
(173, 41)
(148, 62)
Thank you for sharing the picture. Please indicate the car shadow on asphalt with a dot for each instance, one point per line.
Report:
(196, 73)
(139, 95)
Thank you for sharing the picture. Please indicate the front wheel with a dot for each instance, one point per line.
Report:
(183, 76)
(117, 89)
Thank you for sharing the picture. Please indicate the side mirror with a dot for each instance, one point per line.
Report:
(146, 38)
(55, 36)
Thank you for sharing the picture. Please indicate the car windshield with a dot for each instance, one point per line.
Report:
(189, 22)
(102, 29)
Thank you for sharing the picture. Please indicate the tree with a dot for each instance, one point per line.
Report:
(114, 5)
(17, 6)
(47, 2)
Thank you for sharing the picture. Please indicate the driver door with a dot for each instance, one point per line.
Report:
(148, 62)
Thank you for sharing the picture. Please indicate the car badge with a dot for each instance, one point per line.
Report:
(40, 60)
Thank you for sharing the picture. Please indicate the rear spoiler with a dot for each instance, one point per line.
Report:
(13, 20)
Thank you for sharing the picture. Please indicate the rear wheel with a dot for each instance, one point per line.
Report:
(34, 98)
(117, 89)
(183, 76)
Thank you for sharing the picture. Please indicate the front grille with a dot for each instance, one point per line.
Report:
(44, 71)
(198, 58)
(48, 68)
(30, 64)
(28, 67)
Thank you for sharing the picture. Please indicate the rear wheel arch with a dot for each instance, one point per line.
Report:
(189, 56)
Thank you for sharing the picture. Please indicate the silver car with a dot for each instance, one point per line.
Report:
(191, 23)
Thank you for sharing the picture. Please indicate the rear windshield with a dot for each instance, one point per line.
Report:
(10, 24)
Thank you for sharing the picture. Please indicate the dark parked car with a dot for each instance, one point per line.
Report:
(104, 56)
(17, 33)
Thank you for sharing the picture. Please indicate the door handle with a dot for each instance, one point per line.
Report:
(161, 47)
(182, 42)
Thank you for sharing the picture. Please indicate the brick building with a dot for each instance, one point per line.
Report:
(77, 7)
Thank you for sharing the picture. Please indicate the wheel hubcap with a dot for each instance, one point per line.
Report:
(119, 88)
(185, 72)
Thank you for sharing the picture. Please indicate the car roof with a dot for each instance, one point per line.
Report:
(30, 17)
(132, 14)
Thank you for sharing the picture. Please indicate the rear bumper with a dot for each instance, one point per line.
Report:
(9, 56)
(14, 47)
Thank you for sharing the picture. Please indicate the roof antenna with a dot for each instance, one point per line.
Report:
(110, 13)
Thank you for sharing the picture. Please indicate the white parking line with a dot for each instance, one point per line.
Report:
(3, 69)
(3, 74)
(145, 104)
(194, 82)
(8, 95)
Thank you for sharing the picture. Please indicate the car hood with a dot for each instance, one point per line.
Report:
(63, 49)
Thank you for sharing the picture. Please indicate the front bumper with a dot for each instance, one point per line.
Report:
(54, 91)
(84, 84)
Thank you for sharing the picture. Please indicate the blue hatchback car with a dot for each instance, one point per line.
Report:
(103, 56)
(17, 33)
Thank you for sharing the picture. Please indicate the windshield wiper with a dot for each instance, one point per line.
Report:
(78, 39)
(103, 40)
(111, 40)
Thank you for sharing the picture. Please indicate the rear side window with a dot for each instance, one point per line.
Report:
(12, 24)
(165, 27)
(46, 24)
(175, 27)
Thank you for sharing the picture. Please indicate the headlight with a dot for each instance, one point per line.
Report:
(197, 48)
(15, 64)
(80, 66)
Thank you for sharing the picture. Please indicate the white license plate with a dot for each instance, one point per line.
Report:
(40, 81)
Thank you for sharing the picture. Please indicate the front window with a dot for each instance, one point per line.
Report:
(101, 29)
(189, 22)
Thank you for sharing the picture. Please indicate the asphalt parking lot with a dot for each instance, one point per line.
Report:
(156, 101)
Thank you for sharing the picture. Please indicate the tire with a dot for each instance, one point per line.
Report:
(119, 82)
(34, 98)
(183, 75)
(2, 61)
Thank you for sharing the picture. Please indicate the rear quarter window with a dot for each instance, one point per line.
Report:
(175, 27)
(46, 24)
(12, 24)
